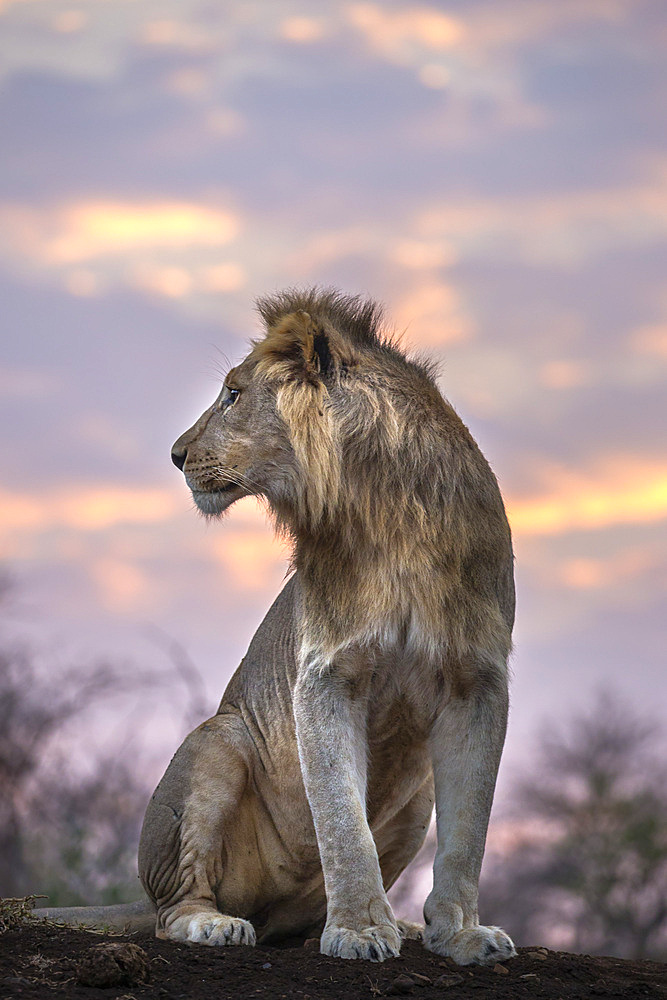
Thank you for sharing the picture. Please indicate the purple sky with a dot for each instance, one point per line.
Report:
(494, 172)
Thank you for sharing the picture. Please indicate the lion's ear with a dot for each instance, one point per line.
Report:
(300, 341)
(322, 353)
(318, 351)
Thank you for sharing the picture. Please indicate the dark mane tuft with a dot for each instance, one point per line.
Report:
(357, 318)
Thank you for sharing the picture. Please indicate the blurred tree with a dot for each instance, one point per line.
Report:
(579, 859)
(33, 709)
(587, 869)
(72, 832)
(82, 843)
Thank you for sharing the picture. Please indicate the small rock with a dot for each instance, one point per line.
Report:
(312, 944)
(502, 970)
(445, 982)
(402, 984)
(267, 965)
(113, 964)
(419, 979)
(538, 955)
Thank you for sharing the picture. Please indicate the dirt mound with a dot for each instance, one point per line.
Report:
(44, 961)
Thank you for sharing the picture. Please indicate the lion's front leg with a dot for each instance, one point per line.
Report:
(467, 742)
(331, 736)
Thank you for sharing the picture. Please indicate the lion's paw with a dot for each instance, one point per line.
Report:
(372, 943)
(410, 931)
(215, 929)
(472, 945)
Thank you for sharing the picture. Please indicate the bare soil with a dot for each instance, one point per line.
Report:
(39, 961)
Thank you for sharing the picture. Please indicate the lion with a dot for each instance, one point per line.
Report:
(377, 683)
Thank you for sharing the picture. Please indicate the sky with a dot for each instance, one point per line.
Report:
(493, 171)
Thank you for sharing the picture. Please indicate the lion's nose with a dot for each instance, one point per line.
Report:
(178, 457)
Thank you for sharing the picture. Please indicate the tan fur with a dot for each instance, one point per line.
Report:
(379, 675)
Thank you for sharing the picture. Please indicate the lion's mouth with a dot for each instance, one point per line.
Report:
(216, 501)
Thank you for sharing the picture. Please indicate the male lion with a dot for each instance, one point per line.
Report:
(378, 677)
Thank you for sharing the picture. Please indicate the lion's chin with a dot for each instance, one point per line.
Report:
(216, 502)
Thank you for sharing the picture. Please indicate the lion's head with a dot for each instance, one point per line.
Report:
(319, 397)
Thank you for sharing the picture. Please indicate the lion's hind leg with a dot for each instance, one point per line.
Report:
(410, 931)
(399, 840)
(182, 852)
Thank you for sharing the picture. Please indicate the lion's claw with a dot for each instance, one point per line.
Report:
(374, 944)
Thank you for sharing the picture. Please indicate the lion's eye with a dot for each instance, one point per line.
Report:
(229, 397)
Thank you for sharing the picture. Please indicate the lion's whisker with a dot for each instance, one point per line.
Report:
(232, 475)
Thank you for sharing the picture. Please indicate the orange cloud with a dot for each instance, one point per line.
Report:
(69, 22)
(226, 277)
(621, 490)
(651, 340)
(431, 315)
(417, 255)
(598, 574)
(251, 557)
(179, 282)
(88, 527)
(564, 374)
(122, 585)
(302, 30)
(479, 31)
(85, 231)
(173, 282)
(85, 509)
(395, 33)
(176, 34)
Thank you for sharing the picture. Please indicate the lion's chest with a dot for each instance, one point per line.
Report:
(403, 702)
